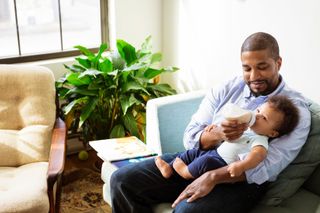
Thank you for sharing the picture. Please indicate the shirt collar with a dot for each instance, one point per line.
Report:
(247, 93)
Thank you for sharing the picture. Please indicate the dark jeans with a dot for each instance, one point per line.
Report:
(136, 187)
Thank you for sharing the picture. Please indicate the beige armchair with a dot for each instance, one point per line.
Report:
(32, 140)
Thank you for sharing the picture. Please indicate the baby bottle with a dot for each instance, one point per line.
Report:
(234, 112)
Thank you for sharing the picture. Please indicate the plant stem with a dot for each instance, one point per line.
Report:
(114, 111)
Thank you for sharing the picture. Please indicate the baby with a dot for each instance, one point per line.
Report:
(277, 117)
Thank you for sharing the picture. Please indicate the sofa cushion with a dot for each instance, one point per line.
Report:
(303, 201)
(24, 188)
(293, 177)
(312, 184)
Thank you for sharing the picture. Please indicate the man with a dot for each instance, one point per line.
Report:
(136, 188)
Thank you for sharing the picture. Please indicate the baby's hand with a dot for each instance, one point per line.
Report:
(209, 127)
(235, 169)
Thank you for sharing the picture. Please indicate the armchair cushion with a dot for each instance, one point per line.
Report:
(27, 112)
(30, 144)
(24, 188)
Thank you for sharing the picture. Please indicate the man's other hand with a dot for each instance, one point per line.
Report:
(200, 187)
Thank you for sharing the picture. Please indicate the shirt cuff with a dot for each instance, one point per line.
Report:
(197, 139)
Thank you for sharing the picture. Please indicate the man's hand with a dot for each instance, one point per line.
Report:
(232, 130)
(204, 184)
(200, 187)
(235, 169)
(228, 130)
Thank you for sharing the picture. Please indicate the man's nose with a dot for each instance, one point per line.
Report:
(255, 75)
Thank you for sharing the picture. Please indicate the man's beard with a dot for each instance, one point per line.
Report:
(267, 91)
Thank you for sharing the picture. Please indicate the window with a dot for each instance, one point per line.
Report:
(42, 29)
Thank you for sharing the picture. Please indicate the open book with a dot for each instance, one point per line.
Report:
(121, 148)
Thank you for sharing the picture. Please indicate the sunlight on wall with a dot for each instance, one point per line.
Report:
(213, 31)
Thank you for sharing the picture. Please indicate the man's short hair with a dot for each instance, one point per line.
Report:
(290, 113)
(261, 41)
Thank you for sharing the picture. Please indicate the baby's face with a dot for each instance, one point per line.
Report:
(267, 121)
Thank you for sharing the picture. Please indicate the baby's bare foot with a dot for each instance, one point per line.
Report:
(182, 169)
(164, 167)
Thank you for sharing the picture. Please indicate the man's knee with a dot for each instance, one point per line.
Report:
(185, 207)
(118, 178)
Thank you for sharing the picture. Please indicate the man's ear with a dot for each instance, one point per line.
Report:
(279, 63)
(273, 134)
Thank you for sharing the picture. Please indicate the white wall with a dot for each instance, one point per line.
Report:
(296, 25)
(137, 19)
(226, 23)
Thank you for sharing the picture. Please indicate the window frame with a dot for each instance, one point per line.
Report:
(63, 53)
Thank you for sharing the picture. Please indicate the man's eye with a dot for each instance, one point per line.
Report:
(246, 69)
(263, 67)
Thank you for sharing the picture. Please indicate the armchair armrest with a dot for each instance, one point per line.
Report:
(56, 162)
(57, 151)
(167, 118)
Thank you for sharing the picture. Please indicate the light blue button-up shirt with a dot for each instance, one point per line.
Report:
(281, 151)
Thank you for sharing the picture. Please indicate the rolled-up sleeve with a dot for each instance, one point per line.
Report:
(202, 118)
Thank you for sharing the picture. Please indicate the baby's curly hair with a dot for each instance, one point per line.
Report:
(290, 113)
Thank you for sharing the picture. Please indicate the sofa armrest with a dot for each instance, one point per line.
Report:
(167, 118)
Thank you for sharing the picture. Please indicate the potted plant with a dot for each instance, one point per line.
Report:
(104, 95)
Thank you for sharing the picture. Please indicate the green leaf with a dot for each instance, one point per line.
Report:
(88, 109)
(156, 57)
(95, 60)
(127, 102)
(170, 69)
(131, 124)
(151, 73)
(106, 65)
(90, 72)
(132, 85)
(147, 45)
(135, 66)
(60, 81)
(126, 51)
(82, 92)
(113, 73)
(74, 68)
(96, 84)
(165, 89)
(73, 104)
(117, 62)
(124, 76)
(84, 51)
(84, 62)
(117, 131)
(62, 92)
(73, 78)
(102, 48)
